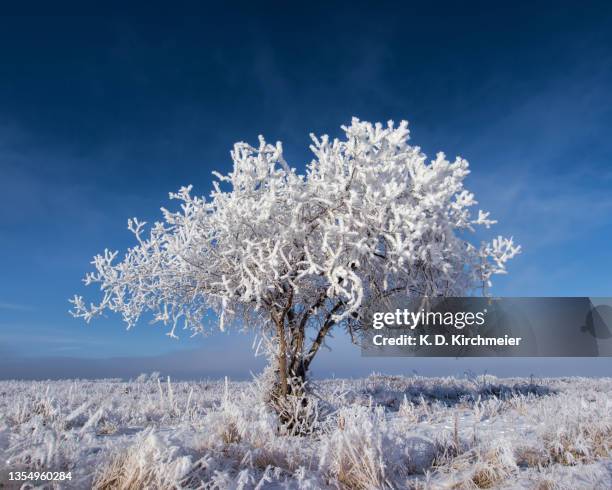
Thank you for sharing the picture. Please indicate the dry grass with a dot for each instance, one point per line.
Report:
(379, 433)
(147, 464)
(531, 457)
(353, 452)
(579, 438)
(123, 473)
(230, 434)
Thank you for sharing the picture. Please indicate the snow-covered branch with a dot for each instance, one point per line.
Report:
(369, 215)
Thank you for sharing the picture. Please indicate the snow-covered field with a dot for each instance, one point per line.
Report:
(377, 432)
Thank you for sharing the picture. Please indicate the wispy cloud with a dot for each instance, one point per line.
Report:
(549, 210)
(15, 306)
(15, 333)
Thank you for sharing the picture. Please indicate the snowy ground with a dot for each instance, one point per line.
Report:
(377, 432)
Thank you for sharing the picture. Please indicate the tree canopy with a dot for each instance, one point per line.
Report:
(369, 217)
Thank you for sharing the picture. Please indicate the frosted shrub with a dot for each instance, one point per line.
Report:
(575, 430)
(493, 465)
(238, 418)
(408, 411)
(295, 256)
(485, 466)
(44, 448)
(574, 441)
(148, 464)
(353, 453)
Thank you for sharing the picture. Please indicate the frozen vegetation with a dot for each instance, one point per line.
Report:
(377, 432)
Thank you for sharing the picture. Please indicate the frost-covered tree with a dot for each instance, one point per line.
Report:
(297, 255)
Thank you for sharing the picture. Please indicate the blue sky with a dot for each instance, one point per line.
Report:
(101, 115)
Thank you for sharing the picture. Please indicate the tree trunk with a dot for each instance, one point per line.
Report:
(282, 358)
(292, 375)
(297, 366)
(289, 395)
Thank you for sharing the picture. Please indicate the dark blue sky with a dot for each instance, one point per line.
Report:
(101, 115)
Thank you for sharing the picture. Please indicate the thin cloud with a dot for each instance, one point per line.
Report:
(15, 307)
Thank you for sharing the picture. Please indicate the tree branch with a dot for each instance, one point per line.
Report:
(327, 325)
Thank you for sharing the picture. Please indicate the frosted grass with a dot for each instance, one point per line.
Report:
(376, 432)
